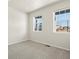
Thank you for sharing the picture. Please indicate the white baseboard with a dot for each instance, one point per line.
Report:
(62, 48)
(39, 42)
(54, 46)
(10, 43)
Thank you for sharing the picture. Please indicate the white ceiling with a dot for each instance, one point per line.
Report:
(29, 5)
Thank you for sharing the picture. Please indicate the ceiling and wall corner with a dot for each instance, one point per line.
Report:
(30, 5)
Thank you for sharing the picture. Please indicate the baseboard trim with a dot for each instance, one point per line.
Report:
(40, 43)
(62, 48)
(11, 43)
(52, 45)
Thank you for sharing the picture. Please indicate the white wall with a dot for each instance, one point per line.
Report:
(17, 26)
(47, 36)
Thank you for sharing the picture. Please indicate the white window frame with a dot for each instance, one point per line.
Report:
(54, 21)
(35, 24)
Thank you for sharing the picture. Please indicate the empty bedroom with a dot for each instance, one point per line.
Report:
(38, 29)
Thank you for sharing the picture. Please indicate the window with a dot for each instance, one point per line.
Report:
(62, 21)
(37, 23)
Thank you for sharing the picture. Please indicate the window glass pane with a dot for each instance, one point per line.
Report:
(63, 21)
(56, 13)
(38, 23)
(68, 11)
(68, 21)
(68, 18)
(62, 12)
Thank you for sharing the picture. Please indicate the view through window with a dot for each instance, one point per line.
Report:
(37, 23)
(62, 19)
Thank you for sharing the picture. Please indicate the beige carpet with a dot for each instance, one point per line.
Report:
(33, 50)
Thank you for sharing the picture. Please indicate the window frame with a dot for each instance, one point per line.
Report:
(34, 24)
(54, 21)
